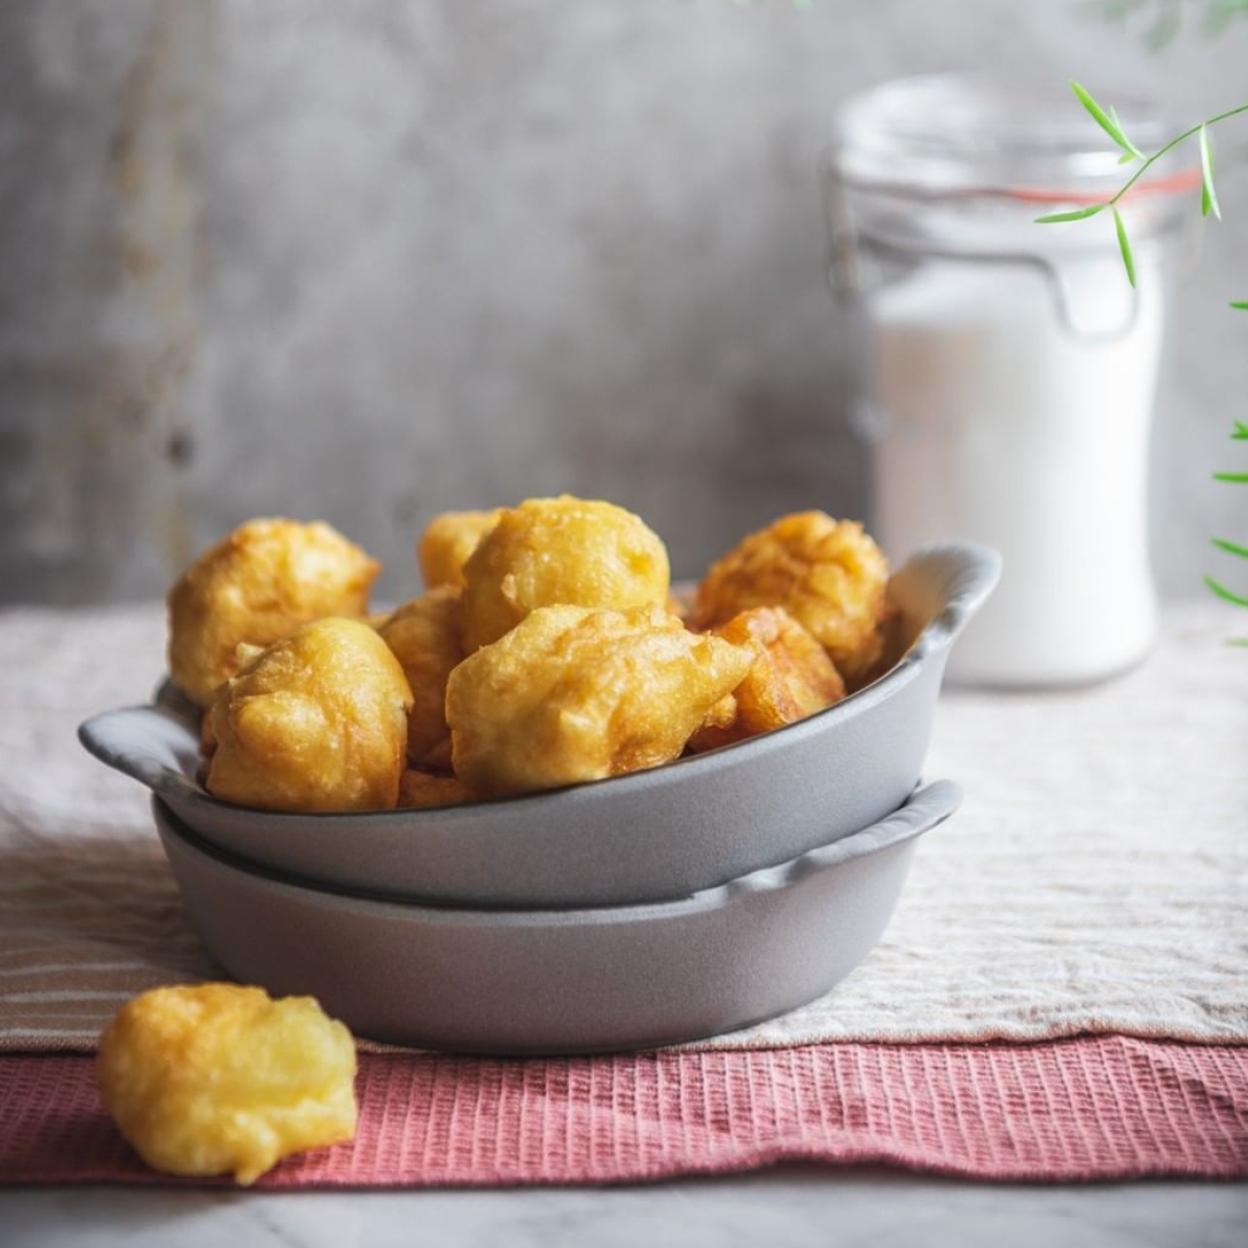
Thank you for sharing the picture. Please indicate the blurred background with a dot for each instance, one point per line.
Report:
(367, 262)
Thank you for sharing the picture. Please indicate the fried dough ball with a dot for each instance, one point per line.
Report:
(573, 694)
(718, 720)
(214, 1078)
(447, 542)
(791, 678)
(422, 789)
(679, 606)
(828, 574)
(256, 585)
(560, 551)
(318, 721)
(424, 636)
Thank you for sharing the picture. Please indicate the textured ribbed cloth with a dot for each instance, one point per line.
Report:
(1096, 1108)
(1096, 879)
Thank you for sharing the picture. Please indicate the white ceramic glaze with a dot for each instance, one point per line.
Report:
(558, 981)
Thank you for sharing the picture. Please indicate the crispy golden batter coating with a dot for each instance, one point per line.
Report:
(718, 720)
(449, 540)
(573, 694)
(318, 721)
(828, 574)
(791, 678)
(560, 551)
(215, 1078)
(255, 586)
(421, 789)
(424, 635)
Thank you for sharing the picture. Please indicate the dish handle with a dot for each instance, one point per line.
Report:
(156, 745)
(946, 585)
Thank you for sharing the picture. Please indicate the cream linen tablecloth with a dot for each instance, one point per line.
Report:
(1095, 880)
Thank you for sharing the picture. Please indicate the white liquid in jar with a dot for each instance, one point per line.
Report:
(998, 424)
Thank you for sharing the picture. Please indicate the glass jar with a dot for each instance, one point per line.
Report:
(1008, 369)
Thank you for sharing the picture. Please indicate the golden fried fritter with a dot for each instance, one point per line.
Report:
(560, 551)
(828, 574)
(573, 694)
(447, 542)
(716, 724)
(680, 606)
(215, 1078)
(424, 635)
(318, 721)
(422, 789)
(256, 585)
(791, 678)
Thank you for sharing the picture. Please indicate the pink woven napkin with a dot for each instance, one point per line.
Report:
(1092, 1108)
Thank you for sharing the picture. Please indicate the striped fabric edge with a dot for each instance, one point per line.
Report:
(1092, 1108)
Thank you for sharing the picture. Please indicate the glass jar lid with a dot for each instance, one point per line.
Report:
(953, 135)
(957, 168)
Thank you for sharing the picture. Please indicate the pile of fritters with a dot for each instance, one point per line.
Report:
(547, 650)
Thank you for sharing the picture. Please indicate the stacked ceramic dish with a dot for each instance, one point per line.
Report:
(659, 906)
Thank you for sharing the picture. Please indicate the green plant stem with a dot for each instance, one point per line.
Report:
(1149, 161)
(1109, 122)
(1209, 203)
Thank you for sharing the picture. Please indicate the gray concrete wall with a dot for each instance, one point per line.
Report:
(370, 261)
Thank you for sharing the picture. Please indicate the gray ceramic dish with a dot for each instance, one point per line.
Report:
(663, 833)
(558, 981)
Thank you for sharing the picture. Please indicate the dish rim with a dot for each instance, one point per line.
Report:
(927, 808)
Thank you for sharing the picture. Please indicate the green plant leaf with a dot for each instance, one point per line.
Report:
(1225, 594)
(1235, 478)
(1124, 246)
(1075, 214)
(1240, 433)
(1231, 548)
(1106, 122)
(1240, 305)
(1132, 152)
(1208, 195)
